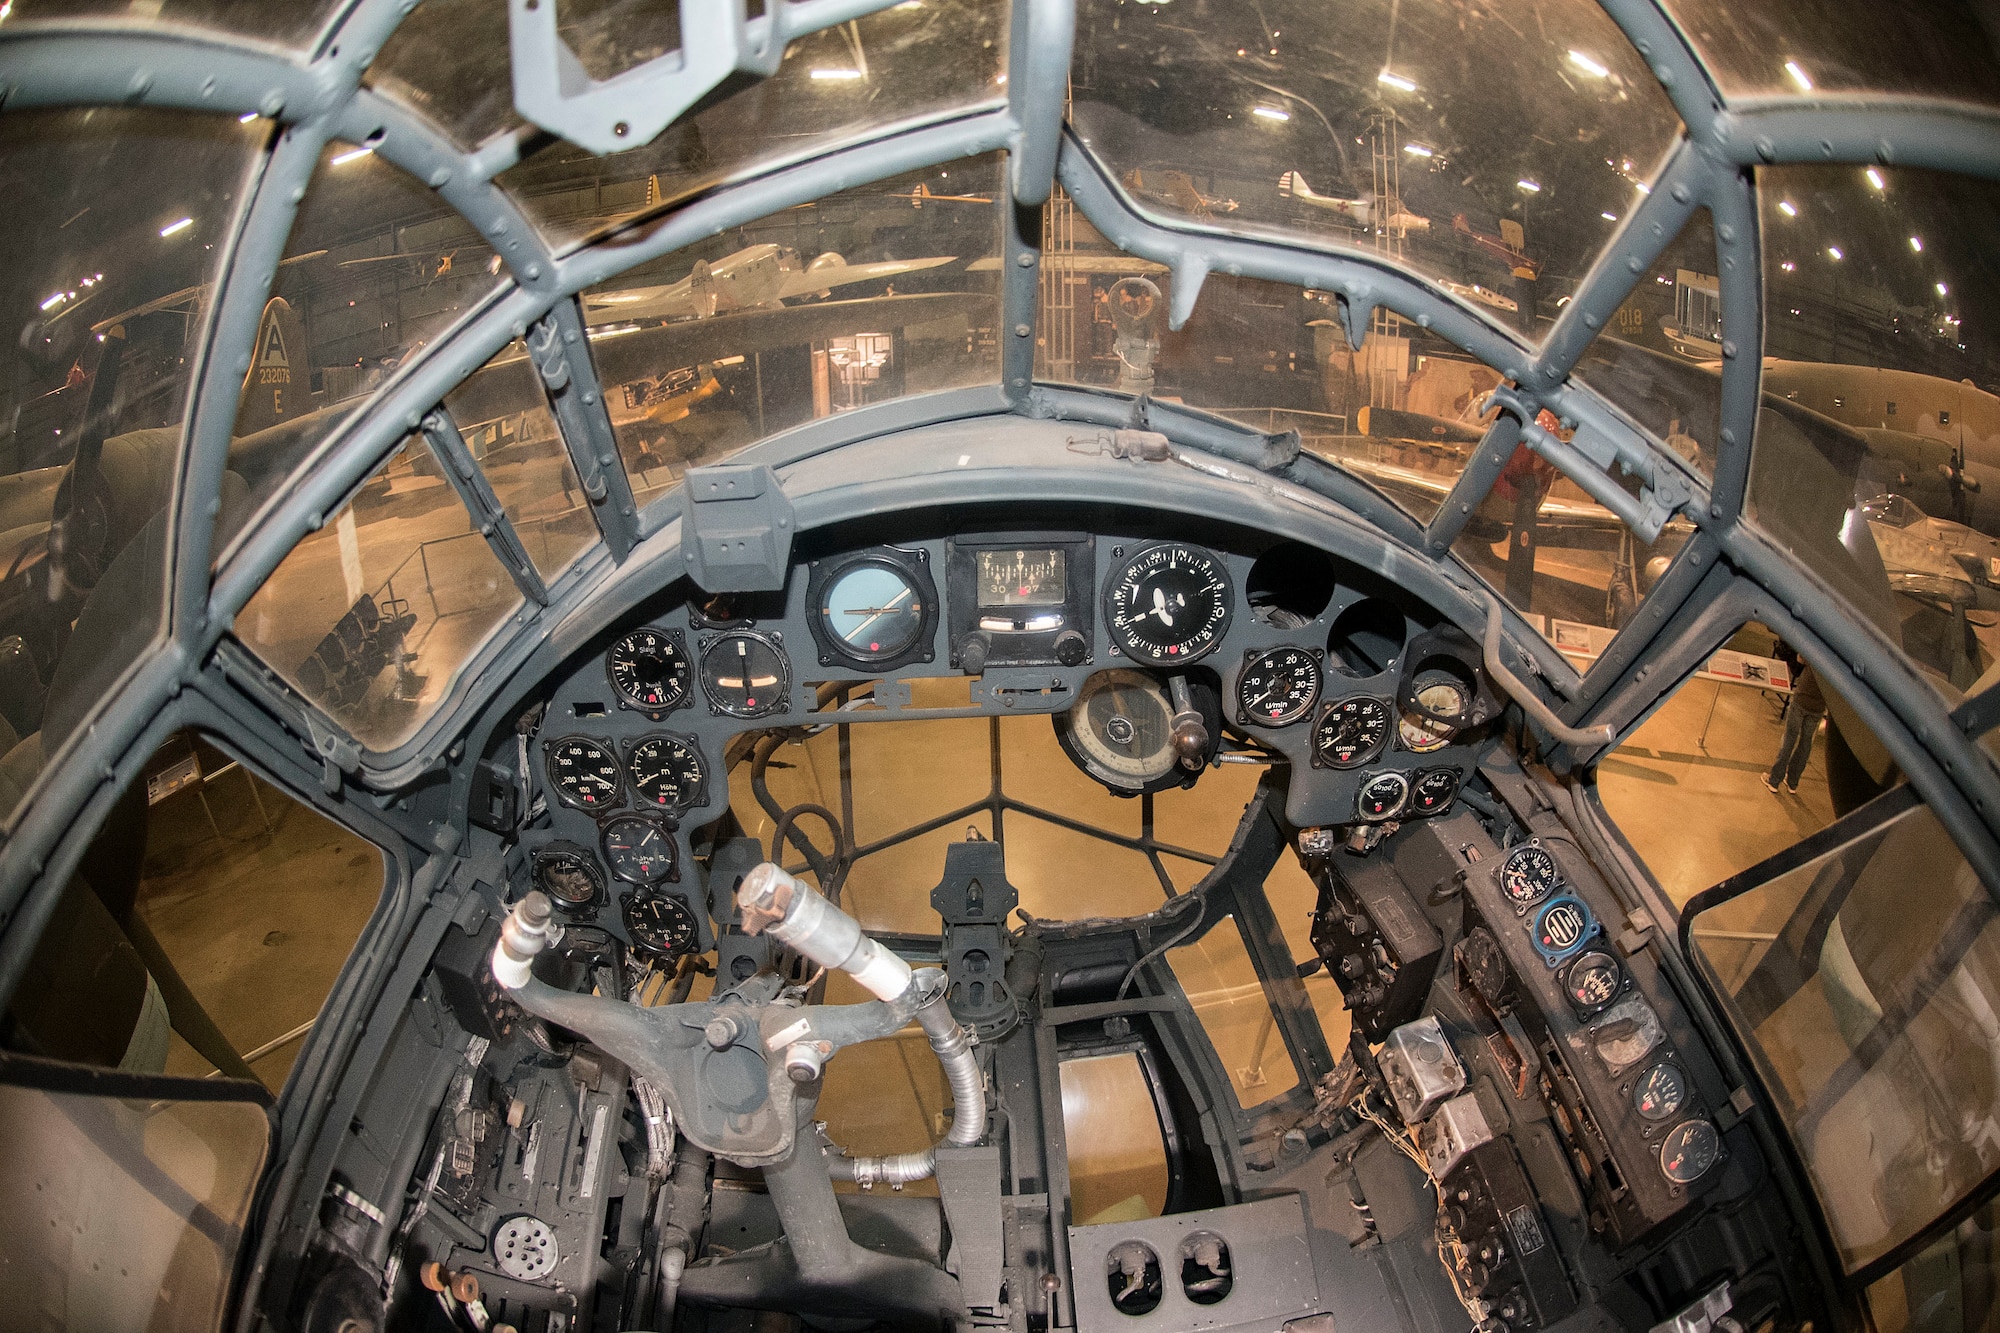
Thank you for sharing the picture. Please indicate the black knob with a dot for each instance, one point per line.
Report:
(972, 653)
(1071, 648)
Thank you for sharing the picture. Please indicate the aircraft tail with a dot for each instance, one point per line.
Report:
(1293, 185)
(278, 387)
(1511, 232)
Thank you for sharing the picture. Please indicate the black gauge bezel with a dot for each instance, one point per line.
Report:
(1423, 775)
(781, 698)
(1523, 906)
(1319, 759)
(1685, 1129)
(1370, 780)
(1144, 655)
(685, 675)
(1593, 958)
(672, 874)
(1639, 1089)
(610, 749)
(634, 901)
(1201, 694)
(1253, 656)
(562, 847)
(914, 566)
(636, 799)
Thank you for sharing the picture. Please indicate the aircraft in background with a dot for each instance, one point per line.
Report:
(758, 276)
(1361, 212)
(1508, 247)
(1177, 190)
(1472, 291)
(922, 195)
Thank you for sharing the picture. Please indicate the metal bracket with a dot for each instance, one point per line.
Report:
(337, 751)
(1586, 461)
(553, 90)
(476, 492)
(736, 528)
(975, 901)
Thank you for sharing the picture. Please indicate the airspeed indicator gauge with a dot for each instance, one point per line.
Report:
(649, 669)
(1169, 605)
(1278, 686)
(583, 772)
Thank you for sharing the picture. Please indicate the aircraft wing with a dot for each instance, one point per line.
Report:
(810, 280)
(1124, 265)
(675, 300)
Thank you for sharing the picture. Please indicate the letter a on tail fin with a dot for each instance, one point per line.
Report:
(278, 385)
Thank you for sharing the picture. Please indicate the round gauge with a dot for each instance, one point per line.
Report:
(1120, 729)
(569, 874)
(1564, 926)
(638, 850)
(1278, 686)
(1169, 604)
(746, 675)
(1689, 1150)
(1661, 1093)
(584, 772)
(1420, 735)
(1351, 733)
(1443, 696)
(1382, 795)
(872, 611)
(661, 926)
(649, 670)
(666, 772)
(1592, 982)
(1433, 790)
(1528, 875)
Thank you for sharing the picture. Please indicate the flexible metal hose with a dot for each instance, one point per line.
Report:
(968, 1100)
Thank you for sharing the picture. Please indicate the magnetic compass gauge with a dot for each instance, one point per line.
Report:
(661, 926)
(1592, 982)
(1277, 687)
(1169, 604)
(1433, 791)
(667, 772)
(1529, 875)
(638, 849)
(1689, 1150)
(584, 772)
(1382, 795)
(568, 874)
(649, 669)
(1350, 733)
(1661, 1092)
(746, 675)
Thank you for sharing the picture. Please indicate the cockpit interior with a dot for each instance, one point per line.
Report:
(1063, 666)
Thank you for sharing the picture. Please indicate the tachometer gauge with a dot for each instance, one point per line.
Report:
(667, 772)
(584, 772)
(649, 670)
(661, 926)
(638, 849)
(1592, 982)
(1278, 686)
(1528, 875)
(746, 675)
(1689, 1150)
(1168, 605)
(873, 611)
(1120, 731)
(1661, 1092)
(1350, 733)
(1382, 795)
(568, 874)
(1433, 791)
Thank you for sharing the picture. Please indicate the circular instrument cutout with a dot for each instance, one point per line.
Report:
(568, 874)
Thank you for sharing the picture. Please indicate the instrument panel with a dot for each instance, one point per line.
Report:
(1146, 670)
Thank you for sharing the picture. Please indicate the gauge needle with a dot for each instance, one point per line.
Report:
(1160, 607)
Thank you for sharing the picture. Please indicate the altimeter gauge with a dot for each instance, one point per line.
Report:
(667, 772)
(1169, 604)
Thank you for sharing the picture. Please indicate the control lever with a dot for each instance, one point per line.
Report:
(1189, 733)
